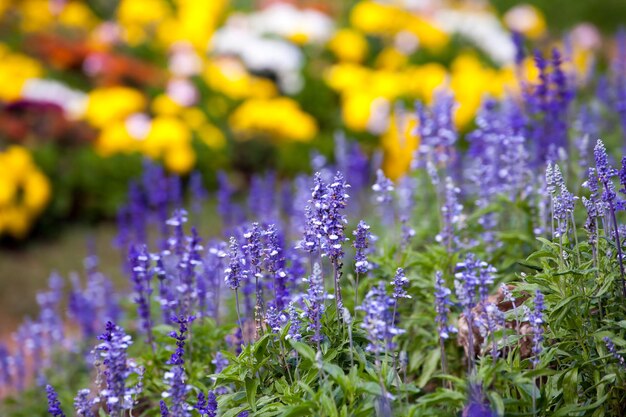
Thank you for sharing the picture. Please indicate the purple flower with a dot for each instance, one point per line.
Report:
(518, 42)
(198, 192)
(164, 411)
(82, 308)
(451, 211)
(315, 213)
(220, 362)
(294, 323)
(178, 390)
(562, 201)
(362, 237)
(335, 221)
(275, 319)
(5, 372)
(211, 405)
(400, 283)
(141, 277)
(478, 406)
(383, 188)
(442, 306)
(378, 321)
(183, 322)
(314, 302)
(236, 272)
(83, 404)
(176, 242)
(489, 322)
(115, 343)
(613, 351)
(225, 207)
(54, 406)
(253, 249)
(206, 406)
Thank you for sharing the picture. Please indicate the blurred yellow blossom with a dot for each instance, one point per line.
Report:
(399, 144)
(231, 78)
(164, 105)
(385, 19)
(391, 59)
(348, 45)
(180, 159)
(211, 136)
(78, 15)
(35, 15)
(138, 17)
(114, 138)
(278, 119)
(166, 133)
(109, 104)
(15, 70)
(24, 191)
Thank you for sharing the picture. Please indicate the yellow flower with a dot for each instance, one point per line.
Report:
(180, 159)
(348, 45)
(109, 104)
(8, 189)
(78, 15)
(231, 78)
(196, 20)
(114, 138)
(36, 15)
(391, 59)
(399, 144)
(36, 192)
(422, 81)
(16, 221)
(277, 119)
(15, 70)
(164, 105)
(194, 117)
(356, 109)
(429, 35)
(377, 18)
(24, 191)
(212, 136)
(346, 77)
(166, 133)
(138, 17)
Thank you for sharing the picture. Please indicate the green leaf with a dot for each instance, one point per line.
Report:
(303, 350)
(430, 365)
(251, 386)
(570, 386)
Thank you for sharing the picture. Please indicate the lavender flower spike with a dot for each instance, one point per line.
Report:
(164, 411)
(82, 403)
(362, 238)
(605, 174)
(139, 260)
(177, 357)
(613, 351)
(113, 351)
(442, 306)
(54, 406)
(314, 301)
(400, 282)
